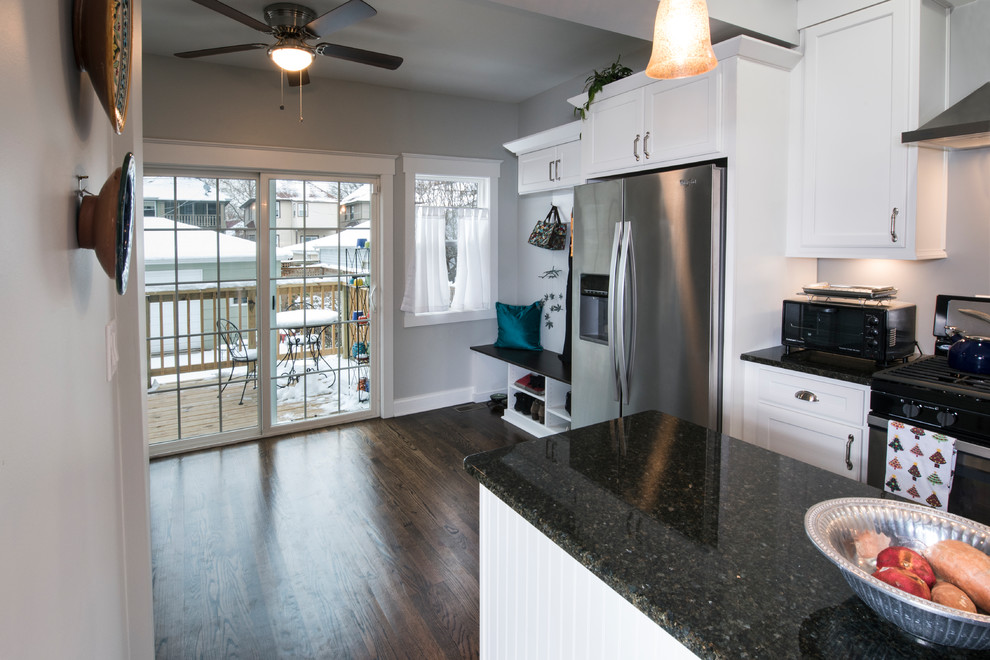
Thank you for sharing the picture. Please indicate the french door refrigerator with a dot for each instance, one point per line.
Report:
(648, 276)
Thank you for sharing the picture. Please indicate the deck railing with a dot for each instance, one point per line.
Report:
(181, 322)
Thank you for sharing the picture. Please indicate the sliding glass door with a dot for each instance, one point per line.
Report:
(321, 317)
(201, 290)
(259, 307)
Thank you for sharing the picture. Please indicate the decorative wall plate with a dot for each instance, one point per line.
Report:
(105, 223)
(101, 33)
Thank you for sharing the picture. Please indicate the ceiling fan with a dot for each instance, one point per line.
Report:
(293, 26)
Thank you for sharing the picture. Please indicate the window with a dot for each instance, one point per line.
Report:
(299, 209)
(451, 239)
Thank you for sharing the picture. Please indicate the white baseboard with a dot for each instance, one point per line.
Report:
(432, 401)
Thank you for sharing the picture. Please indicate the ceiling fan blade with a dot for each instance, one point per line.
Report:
(346, 14)
(219, 51)
(239, 16)
(390, 62)
(297, 78)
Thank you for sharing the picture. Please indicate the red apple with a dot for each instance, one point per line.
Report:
(904, 580)
(909, 560)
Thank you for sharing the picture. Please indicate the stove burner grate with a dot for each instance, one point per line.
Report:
(933, 372)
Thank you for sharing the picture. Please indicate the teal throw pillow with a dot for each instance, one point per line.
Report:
(519, 326)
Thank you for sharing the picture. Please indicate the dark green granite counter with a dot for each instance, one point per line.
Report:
(701, 532)
(817, 363)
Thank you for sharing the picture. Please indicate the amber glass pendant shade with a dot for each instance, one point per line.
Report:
(101, 39)
(682, 42)
(105, 223)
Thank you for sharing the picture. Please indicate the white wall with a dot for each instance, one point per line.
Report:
(966, 271)
(351, 117)
(75, 566)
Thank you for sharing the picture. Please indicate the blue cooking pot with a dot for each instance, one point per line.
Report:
(970, 354)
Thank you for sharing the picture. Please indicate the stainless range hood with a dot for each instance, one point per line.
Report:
(966, 125)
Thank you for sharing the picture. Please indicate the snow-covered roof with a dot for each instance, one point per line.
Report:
(345, 239)
(185, 189)
(196, 246)
(362, 194)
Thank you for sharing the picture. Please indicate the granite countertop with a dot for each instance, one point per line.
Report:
(817, 363)
(702, 532)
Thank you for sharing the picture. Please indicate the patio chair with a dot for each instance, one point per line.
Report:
(239, 353)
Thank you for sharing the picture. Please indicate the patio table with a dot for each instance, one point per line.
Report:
(302, 321)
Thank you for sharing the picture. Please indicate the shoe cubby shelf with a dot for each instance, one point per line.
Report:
(555, 418)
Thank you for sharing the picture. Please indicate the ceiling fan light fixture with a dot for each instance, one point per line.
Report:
(682, 42)
(291, 54)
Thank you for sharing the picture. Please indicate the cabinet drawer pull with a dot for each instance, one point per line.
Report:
(645, 147)
(805, 395)
(636, 147)
(849, 444)
(557, 169)
(550, 171)
(893, 227)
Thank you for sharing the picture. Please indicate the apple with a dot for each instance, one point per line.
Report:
(909, 560)
(904, 580)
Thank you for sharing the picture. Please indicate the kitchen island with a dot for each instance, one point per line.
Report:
(703, 534)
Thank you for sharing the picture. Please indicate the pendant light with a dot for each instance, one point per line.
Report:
(682, 42)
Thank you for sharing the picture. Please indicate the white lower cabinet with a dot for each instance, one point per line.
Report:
(819, 421)
(553, 416)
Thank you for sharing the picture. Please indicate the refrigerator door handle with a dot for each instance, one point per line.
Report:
(629, 316)
(622, 321)
(613, 281)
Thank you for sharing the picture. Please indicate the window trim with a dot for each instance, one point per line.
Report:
(449, 166)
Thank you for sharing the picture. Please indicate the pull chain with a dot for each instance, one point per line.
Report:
(300, 97)
(281, 89)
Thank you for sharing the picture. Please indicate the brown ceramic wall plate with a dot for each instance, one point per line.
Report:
(101, 32)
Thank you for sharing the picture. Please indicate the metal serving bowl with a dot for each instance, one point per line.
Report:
(834, 524)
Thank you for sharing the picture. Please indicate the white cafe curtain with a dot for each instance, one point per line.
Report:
(472, 285)
(427, 287)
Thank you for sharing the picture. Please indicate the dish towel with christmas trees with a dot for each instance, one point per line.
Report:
(920, 464)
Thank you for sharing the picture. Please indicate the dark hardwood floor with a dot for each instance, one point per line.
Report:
(358, 541)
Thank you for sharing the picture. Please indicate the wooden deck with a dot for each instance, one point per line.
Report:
(201, 412)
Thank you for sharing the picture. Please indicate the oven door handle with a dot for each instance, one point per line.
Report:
(961, 445)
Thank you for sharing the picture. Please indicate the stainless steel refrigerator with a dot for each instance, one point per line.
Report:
(647, 291)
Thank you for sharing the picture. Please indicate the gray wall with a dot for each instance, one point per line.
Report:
(76, 559)
(213, 103)
(966, 271)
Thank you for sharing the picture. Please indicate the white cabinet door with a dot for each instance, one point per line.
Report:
(682, 119)
(568, 164)
(536, 170)
(855, 95)
(863, 192)
(614, 136)
(829, 445)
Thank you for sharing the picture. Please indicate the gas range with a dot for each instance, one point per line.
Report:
(928, 392)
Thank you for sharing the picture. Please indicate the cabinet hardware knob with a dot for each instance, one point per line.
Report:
(645, 147)
(636, 147)
(849, 444)
(893, 227)
(805, 395)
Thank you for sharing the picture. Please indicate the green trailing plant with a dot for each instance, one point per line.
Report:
(597, 80)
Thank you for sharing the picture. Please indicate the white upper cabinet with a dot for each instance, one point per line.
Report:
(654, 124)
(869, 76)
(549, 160)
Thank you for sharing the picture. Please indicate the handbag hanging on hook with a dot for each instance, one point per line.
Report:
(549, 233)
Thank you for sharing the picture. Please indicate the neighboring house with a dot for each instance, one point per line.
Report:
(304, 215)
(189, 201)
(195, 271)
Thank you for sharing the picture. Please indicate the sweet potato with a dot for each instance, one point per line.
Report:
(948, 594)
(964, 566)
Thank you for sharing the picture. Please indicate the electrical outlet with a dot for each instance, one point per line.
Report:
(111, 331)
